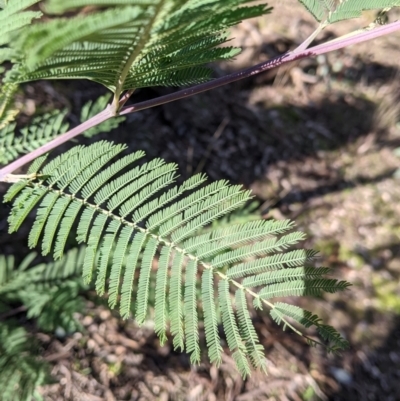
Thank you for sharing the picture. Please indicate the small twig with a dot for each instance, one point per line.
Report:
(216, 83)
(282, 72)
(214, 139)
(13, 312)
(92, 122)
(262, 67)
(124, 98)
(303, 46)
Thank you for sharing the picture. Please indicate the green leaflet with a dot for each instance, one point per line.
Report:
(302, 287)
(131, 262)
(117, 264)
(257, 249)
(274, 262)
(112, 234)
(129, 217)
(302, 273)
(233, 337)
(210, 317)
(160, 310)
(144, 279)
(191, 319)
(176, 302)
(254, 349)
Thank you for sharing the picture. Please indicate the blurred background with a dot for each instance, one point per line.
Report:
(319, 144)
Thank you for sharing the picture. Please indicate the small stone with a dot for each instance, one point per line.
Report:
(164, 396)
(87, 320)
(133, 372)
(342, 376)
(111, 359)
(60, 332)
(395, 357)
(394, 265)
(164, 350)
(93, 328)
(104, 314)
(120, 350)
(30, 107)
(77, 336)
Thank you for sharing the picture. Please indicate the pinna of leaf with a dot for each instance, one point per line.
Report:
(131, 217)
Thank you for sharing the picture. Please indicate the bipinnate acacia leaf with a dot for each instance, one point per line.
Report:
(144, 234)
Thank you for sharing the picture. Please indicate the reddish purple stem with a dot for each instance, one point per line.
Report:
(184, 93)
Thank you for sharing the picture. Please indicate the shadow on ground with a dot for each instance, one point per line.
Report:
(375, 375)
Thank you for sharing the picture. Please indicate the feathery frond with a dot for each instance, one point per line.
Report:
(122, 212)
(235, 341)
(254, 349)
(307, 319)
(331, 11)
(302, 287)
(50, 291)
(41, 130)
(161, 295)
(131, 44)
(210, 317)
(176, 302)
(190, 312)
(13, 17)
(348, 9)
(20, 371)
